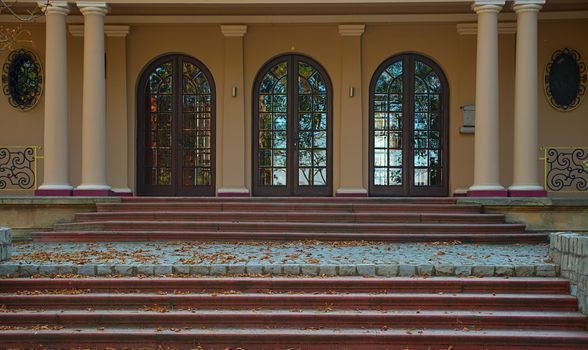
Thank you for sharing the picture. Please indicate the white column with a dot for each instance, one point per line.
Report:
(526, 123)
(55, 145)
(233, 119)
(487, 139)
(94, 102)
(351, 149)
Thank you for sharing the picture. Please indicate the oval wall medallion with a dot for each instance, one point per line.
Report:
(22, 79)
(565, 80)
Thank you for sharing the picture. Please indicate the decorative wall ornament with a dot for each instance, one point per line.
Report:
(565, 80)
(18, 167)
(566, 169)
(22, 79)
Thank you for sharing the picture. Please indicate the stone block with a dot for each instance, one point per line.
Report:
(104, 270)
(203, 270)
(426, 270)
(145, 270)
(545, 271)
(328, 270)
(524, 271)
(160, 270)
(273, 269)
(254, 269)
(406, 270)
(309, 270)
(445, 270)
(8, 270)
(86, 270)
(387, 270)
(504, 270)
(347, 270)
(218, 270)
(28, 270)
(366, 270)
(125, 270)
(483, 271)
(463, 270)
(292, 269)
(48, 270)
(236, 269)
(181, 269)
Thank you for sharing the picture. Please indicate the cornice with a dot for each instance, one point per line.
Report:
(77, 30)
(472, 28)
(351, 29)
(234, 30)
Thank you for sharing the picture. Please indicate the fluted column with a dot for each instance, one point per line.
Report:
(351, 126)
(233, 119)
(55, 145)
(487, 139)
(526, 117)
(94, 102)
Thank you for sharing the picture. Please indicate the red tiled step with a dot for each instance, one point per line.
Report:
(342, 207)
(300, 319)
(283, 227)
(399, 301)
(287, 284)
(291, 216)
(320, 339)
(140, 236)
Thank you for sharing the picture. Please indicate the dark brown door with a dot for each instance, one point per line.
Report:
(292, 122)
(409, 103)
(176, 128)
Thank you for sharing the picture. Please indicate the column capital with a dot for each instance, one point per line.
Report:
(488, 6)
(238, 30)
(54, 7)
(528, 5)
(118, 31)
(93, 8)
(351, 29)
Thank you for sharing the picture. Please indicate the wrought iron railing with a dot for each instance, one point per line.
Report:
(566, 169)
(18, 167)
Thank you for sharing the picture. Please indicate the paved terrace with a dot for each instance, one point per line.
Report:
(275, 258)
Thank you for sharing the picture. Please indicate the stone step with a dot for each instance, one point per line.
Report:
(286, 319)
(385, 200)
(287, 284)
(242, 301)
(375, 217)
(249, 206)
(286, 227)
(326, 338)
(405, 236)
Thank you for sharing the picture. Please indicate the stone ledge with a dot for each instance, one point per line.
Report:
(570, 251)
(384, 270)
(5, 243)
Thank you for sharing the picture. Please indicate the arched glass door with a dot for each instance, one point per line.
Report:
(176, 128)
(409, 101)
(292, 113)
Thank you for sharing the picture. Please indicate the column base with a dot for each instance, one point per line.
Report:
(351, 192)
(53, 192)
(92, 191)
(526, 191)
(488, 193)
(122, 192)
(233, 192)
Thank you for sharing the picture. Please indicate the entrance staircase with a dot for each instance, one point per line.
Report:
(255, 312)
(268, 219)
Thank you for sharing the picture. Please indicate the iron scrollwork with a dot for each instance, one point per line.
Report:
(22, 79)
(566, 169)
(17, 168)
(565, 80)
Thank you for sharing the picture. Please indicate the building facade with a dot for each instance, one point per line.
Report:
(300, 98)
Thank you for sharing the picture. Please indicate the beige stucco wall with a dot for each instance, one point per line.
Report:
(440, 41)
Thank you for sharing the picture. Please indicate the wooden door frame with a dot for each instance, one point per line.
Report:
(176, 188)
(291, 189)
(407, 188)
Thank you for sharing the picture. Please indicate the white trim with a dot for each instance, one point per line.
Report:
(239, 190)
(93, 187)
(122, 190)
(472, 28)
(234, 30)
(77, 30)
(55, 187)
(352, 191)
(297, 19)
(351, 29)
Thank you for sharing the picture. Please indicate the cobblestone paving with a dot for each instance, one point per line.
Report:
(328, 253)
